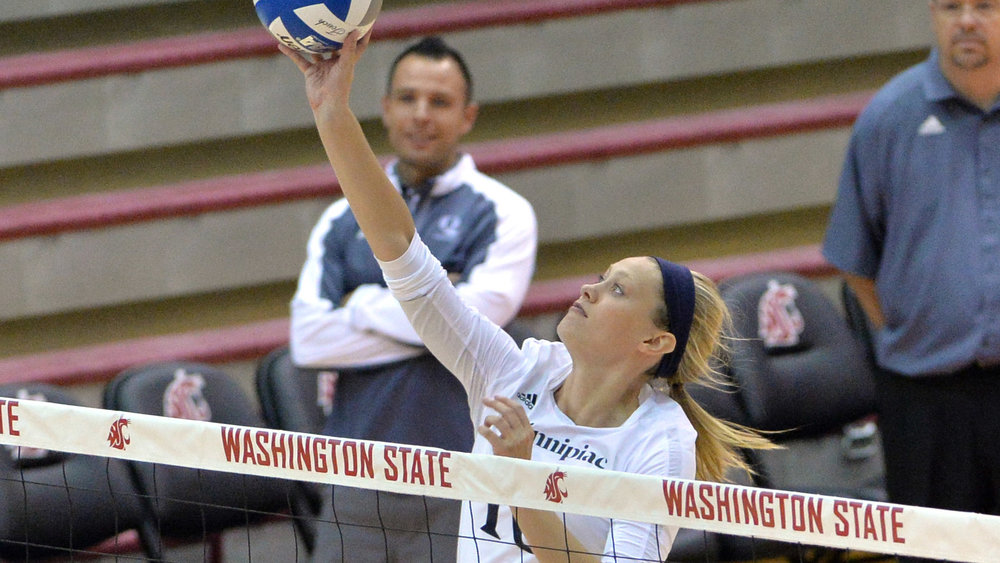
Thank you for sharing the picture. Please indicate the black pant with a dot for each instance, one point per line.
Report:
(941, 437)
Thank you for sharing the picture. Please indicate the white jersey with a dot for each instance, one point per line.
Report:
(657, 439)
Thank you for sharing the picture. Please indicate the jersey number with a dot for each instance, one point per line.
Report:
(490, 527)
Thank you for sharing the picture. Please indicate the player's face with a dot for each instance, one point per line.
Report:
(968, 32)
(615, 314)
(426, 114)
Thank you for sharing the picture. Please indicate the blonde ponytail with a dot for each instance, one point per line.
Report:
(719, 442)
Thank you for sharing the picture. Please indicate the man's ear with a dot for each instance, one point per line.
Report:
(385, 110)
(469, 114)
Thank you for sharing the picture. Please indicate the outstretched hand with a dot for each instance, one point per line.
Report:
(329, 80)
(380, 211)
(509, 431)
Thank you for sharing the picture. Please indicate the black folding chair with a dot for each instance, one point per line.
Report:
(297, 400)
(53, 504)
(811, 386)
(193, 504)
(802, 372)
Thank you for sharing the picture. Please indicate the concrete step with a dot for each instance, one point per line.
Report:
(240, 346)
(195, 237)
(565, 112)
(163, 316)
(148, 95)
(22, 10)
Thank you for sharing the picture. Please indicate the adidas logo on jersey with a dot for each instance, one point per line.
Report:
(529, 399)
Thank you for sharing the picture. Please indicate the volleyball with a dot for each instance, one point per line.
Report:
(316, 26)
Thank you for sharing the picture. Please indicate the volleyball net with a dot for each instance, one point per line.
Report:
(28, 427)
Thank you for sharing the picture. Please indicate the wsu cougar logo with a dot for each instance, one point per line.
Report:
(555, 491)
(118, 436)
(779, 321)
(184, 399)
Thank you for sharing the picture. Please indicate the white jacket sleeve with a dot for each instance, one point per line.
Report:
(347, 345)
(324, 334)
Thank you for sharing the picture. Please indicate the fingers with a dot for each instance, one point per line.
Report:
(502, 444)
(294, 55)
(363, 42)
(510, 410)
(499, 426)
(495, 440)
(353, 45)
(509, 430)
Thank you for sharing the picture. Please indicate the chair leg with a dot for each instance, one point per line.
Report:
(216, 549)
(152, 543)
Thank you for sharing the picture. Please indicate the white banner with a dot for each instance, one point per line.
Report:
(781, 515)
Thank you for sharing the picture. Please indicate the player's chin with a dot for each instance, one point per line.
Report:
(566, 327)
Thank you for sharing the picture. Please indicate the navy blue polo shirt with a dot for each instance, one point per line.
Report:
(918, 211)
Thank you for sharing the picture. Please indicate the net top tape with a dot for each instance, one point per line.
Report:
(765, 513)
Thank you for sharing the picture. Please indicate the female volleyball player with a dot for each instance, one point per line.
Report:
(610, 395)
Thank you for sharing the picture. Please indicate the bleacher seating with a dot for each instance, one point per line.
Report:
(233, 83)
(140, 175)
(19, 10)
(302, 191)
(249, 342)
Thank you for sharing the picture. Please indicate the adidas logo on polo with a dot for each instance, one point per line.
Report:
(931, 126)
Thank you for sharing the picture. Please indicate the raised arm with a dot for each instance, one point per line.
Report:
(378, 208)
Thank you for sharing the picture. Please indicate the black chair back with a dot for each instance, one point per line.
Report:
(799, 367)
(291, 398)
(53, 502)
(297, 400)
(802, 372)
(188, 503)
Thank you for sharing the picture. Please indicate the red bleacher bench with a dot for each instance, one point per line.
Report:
(98, 363)
(73, 64)
(492, 157)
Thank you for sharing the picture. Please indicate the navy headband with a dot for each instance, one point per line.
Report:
(678, 295)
